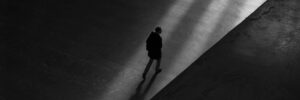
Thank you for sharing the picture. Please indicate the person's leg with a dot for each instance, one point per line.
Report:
(158, 65)
(147, 68)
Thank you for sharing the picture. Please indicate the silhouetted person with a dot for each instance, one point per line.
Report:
(153, 46)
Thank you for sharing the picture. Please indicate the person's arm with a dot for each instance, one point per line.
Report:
(160, 43)
(148, 42)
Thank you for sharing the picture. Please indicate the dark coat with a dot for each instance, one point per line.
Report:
(154, 45)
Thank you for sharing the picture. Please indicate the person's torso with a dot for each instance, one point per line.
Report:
(154, 42)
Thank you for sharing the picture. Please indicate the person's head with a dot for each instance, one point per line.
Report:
(158, 30)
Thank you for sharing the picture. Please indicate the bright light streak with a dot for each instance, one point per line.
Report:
(122, 87)
(194, 46)
(174, 16)
(202, 37)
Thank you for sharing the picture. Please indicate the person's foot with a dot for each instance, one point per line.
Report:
(144, 76)
(158, 70)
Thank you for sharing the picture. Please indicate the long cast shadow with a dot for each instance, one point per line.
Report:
(140, 95)
(151, 82)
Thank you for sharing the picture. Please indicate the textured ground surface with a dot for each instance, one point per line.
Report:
(71, 49)
(258, 60)
(86, 49)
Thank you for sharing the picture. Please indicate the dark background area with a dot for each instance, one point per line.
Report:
(69, 49)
